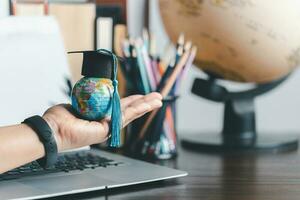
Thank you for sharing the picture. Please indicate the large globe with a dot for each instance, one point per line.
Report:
(242, 40)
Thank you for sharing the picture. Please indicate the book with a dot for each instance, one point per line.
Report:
(104, 30)
(29, 7)
(121, 4)
(76, 23)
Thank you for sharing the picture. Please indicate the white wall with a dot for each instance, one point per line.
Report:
(4, 9)
(277, 111)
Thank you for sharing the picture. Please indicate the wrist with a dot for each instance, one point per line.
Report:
(55, 131)
(45, 134)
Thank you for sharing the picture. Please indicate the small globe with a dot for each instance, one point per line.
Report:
(91, 98)
(244, 40)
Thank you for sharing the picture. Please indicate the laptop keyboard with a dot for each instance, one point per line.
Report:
(66, 163)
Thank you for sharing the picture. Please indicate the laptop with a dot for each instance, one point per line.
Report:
(79, 171)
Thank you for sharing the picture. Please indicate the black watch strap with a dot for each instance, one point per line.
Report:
(44, 132)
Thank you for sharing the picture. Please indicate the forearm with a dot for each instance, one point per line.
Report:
(19, 145)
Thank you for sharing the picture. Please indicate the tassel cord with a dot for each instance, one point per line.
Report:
(116, 114)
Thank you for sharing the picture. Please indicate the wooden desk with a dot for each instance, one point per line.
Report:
(214, 177)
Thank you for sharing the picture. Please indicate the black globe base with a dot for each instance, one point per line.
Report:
(215, 143)
(239, 125)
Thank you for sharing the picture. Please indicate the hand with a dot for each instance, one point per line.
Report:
(71, 132)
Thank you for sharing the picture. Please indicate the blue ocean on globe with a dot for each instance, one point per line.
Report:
(91, 98)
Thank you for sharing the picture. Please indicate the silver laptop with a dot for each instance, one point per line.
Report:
(80, 171)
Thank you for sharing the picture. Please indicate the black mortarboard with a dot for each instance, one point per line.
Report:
(96, 64)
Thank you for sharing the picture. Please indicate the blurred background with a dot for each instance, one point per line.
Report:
(277, 111)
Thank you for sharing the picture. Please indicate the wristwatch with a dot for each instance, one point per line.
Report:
(45, 134)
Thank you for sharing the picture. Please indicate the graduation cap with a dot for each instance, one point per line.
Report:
(103, 64)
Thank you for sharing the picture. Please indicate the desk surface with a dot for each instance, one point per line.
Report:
(241, 177)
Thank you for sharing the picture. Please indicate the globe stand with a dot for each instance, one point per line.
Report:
(239, 127)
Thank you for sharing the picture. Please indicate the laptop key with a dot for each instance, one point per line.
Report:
(11, 177)
(66, 163)
(12, 173)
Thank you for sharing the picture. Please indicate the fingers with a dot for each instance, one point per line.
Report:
(141, 106)
(147, 98)
(128, 100)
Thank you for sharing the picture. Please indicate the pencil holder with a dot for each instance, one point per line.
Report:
(160, 139)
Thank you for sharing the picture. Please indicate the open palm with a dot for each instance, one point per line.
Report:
(72, 132)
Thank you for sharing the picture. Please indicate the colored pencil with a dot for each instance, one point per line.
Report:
(147, 72)
(166, 89)
(166, 75)
(149, 69)
(142, 68)
(188, 65)
(180, 41)
(146, 39)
